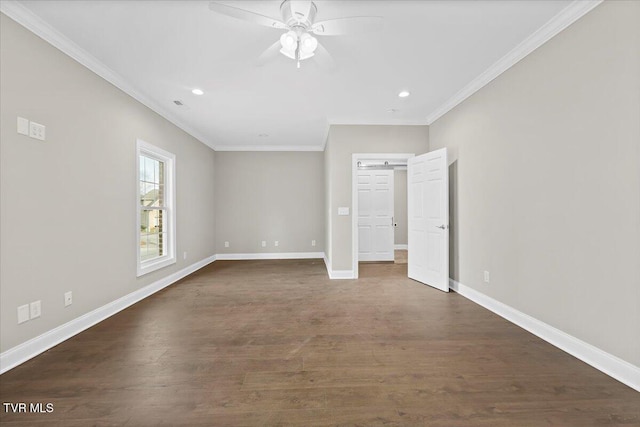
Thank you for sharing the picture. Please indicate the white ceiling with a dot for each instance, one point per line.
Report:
(163, 49)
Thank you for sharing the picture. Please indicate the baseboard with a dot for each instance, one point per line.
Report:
(611, 365)
(337, 274)
(29, 349)
(401, 247)
(270, 255)
(340, 274)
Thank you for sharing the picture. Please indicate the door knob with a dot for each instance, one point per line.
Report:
(442, 227)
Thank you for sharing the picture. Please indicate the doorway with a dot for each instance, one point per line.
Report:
(374, 229)
(428, 213)
(376, 206)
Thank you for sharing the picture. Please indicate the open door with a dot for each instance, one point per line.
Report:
(428, 219)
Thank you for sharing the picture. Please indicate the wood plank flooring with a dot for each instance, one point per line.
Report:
(401, 256)
(251, 343)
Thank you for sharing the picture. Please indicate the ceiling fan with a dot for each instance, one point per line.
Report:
(298, 22)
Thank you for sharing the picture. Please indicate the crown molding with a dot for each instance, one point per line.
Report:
(32, 22)
(269, 148)
(567, 16)
(35, 24)
(389, 122)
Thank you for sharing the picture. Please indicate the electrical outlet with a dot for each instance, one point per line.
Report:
(68, 298)
(226, 244)
(264, 243)
(313, 243)
(23, 313)
(276, 243)
(35, 308)
(486, 277)
(37, 131)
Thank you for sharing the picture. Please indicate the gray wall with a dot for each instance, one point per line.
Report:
(68, 212)
(269, 196)
(401, 235)
(343, 141)
(547, 182)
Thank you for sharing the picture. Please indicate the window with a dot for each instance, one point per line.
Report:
(156, 208)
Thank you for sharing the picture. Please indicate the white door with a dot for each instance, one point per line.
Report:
(428, 219)
(375, 215)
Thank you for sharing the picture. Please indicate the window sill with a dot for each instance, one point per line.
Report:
(154, 265)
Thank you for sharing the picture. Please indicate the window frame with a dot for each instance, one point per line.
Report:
(169, 224)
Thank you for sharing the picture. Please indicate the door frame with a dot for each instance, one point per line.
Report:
(355, 158)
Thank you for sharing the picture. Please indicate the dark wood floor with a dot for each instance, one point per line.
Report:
(276, 342)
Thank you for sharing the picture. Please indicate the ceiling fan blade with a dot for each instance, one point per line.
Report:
(352, 25)
(246, 15)
(270, 53)
(323, 58)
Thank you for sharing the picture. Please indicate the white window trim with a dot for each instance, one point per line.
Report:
(144, 148)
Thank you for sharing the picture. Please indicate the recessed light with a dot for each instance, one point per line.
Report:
(197, 91)
(404, 94)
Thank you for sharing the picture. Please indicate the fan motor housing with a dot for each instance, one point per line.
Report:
(296, 18)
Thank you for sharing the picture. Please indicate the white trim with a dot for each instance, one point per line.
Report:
(341, 274)
(567, 16)
(354, 197)
(326, 141)
(364, 122)
(29, 349)
(269, 148)
(169, 160)
(611, 365)
(270, 255)
(401, 247)
(337, 274)
(25, 17)
(32, 22)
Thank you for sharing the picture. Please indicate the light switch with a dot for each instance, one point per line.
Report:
(35, 309)
(23, 313)
(23, 126)
(343, 211)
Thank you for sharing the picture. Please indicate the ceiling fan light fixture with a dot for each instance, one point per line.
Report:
(305, 55)
(289, 40)
(298, 19)
(308, 43)
(288, 53)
